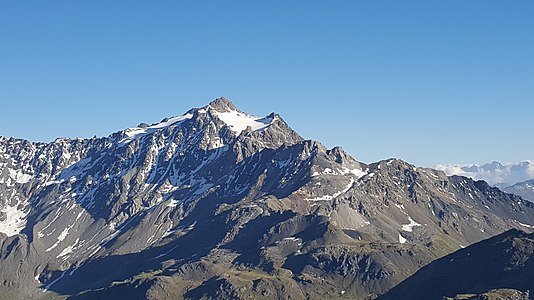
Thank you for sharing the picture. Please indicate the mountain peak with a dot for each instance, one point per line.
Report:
(237, 120)
(222, 104)
(270, 131)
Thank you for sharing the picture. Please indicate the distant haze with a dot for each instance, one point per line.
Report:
(494, 173)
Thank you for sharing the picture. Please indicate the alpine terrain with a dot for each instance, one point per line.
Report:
(495, 173)
(220, 204)
(500, 268)
(524, 189)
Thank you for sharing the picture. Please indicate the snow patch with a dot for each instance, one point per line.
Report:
(239, 121)
(18, 176)
(526, 225)
(68, 250)
(336, 194)
(60, 238)
(344, 171)
(15, 220)
(359, 173)
(409, 227)
(173, 203)
(137, 132)
(399, 206)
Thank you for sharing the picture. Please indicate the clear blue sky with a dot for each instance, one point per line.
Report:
(426, 81)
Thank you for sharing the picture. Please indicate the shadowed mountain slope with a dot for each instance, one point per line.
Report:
(502, 263)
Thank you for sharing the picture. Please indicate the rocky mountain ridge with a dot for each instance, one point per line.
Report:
(524, 189)
(217, 203)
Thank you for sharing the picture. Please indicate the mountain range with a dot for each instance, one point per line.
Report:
(494, 173)
(219, 204)
(524, 189)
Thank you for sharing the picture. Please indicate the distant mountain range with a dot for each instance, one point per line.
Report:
(494, 173)
(220, 204)
(524, 189)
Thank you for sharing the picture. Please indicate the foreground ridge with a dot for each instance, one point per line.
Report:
(502, 267)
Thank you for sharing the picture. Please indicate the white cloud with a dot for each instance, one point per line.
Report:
(493, 173)
(530, 169)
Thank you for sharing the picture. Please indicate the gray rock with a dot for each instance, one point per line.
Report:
(221, 204)
(523, 189)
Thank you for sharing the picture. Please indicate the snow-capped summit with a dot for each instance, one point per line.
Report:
(237, 120)
(220, 113)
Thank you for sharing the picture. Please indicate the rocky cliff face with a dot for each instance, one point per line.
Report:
(217, 203)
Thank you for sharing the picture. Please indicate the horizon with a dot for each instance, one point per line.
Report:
(426, 82)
